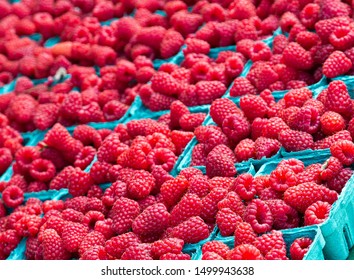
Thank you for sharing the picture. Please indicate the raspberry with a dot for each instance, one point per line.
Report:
(165, 84)
(253, 107)
(210, 136)
(140, 184)
(297, 57)
(208, 91)
(227, 221)
(244, 234)
(91, 217)
(338, 183)
(42, 170)
(259, 216)
(219, 165)
(331, 123)
(53, 246)
(245, 252)
(178, 109)
(72, 236)
(344, 151)
(114, 110)
(266, 147)
(153, 220)
(264, 76)
(260, 51)
(180, 139)
(12, 196)
(123, 212)
(338, 99)
(61, 180)
(293, 140)
(245, 150)
(45, 116)
(5, 159)
(171, 256)
(28, 225)
(309, 15)
(243, 186)
(161, 157)
(225, 151)
(72, 215)
(173, 190)
(216, 247)
(317, 213)
(282, 178)
(199, 155)
(94, 238)
(306, 119)
(236, 127)
(109, 150)
(331, 168)
(342, 38)
(190, 205)
(210, 204)
(297, 97)
(303, 195)
(95, 252)
(118, 244)
(98, 171)
(189, 122)
(299, 248)
(192, 230)
(233, 201)
(233, 67)
(138, 252)
(270, 241)
(273, 127)
(160, 102)
(186, 23)
(284, 215)
(165, 246)
(336, 64)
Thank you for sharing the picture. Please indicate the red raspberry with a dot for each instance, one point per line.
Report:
(336, 64)
(242, 86)
(306, 119)
(244, 234)
(253, 107)
(293, 140)
(91, 217)
(245, 150)
(173, 190)
(210, 204)
(9, 241)
(284, 215)
(45, 116)
(114, 110)
(260, 51)
(180, 139)
(28, 225)
(331, 168)
(270, 241)
(189, 122)
(72, 236)
(199, 155)
(110, 149)
(161, 157)
(123, 213)
(225, 151)
(171, 256)
(79, 182)
(216, 247)
(186, 23)
(153, 220)
(266, 147)
(338, 183)
(61, 180)
(311, 174)
(297, 97)
(317, 213)
(12, 196)
(160, 102)
(233, 67)
(140, 184)
(282, 178)
(53, 246)
(190, 205)
(42, 170)
(294, 164)
(165, 84)
(297, 57)
(245, 252)
(221, 108)
(95, 252)
(332, 9)
(165, 246)
(273, 128)
(299, 248)
(328, 141)
(342, 38)
(94, 238)
(105, 227)
(190, 172)
(236, 127)
(91, 113)
(310, 14)
(338, 98)
(219, 165)
(24, 158)
(227, 221)
(259, 216)
(331, 123)
(98, 171)
(208, 91)
(171, 43)
(178, 109)
(5, 159)
(303, 195)
(234, 202)
(344, 151)
(118, 244)
(138, 252)
(243, 186)
(192, 230)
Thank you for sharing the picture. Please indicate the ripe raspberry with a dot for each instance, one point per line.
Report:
(234, 202)
(338, 99)
(299, 248)
(165, 84)
(165, 246)
(5, 159)
(303, 195)
(309, 15)
(105, 227)
(297, 57)
(45, 116)
(95, 252)
(21, 109)
(242, 86)
(273, 127)
(336, 64)
(114, 110)
(88, 136)
(219, 165)
(185, 22)
(210, 136)
(282, 178)
(61, 180)
(233, 67)
(306, 119)
(111, 148)
(192, 230)
(284, 215)
(270, 241)
(72, 236)
(342, 38)
(140, 184)
(161, 157)
(259, 216)
(216, 247)
(173, 190)
(331, 168)
(123, 213)
(245, 252)
(116, 246)
(94, 238)
(297, 97)
(208, 91)
(227, 221)
(344, 151)
(210, 204)
(245, 150)
(189, 122)
(79, 182)
(190, 205)
(266, 147)
(160, 102)
(194, 45)
(153, 220)
(12, 196)
(236, 127)
(317, 213)
(42, 170)
(53, 246)
(243, 186)
(294, 164)
(253, 107)
(331, 123)
(171, 43)
(338, 183)
(244, 234)
(28, 225)
(293, 140)
(180, 139)
(171, 256)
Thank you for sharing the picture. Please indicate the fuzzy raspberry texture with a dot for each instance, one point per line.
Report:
(317, 213)
(192, 230)
(299, 248)
(336, 64)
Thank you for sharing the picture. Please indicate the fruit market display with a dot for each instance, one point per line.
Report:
(176, 130)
